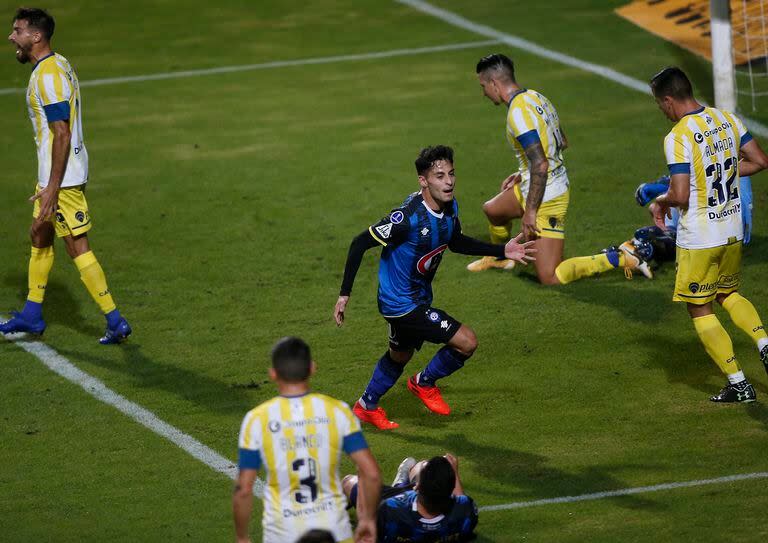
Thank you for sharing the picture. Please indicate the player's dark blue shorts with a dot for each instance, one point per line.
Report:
(424, 323)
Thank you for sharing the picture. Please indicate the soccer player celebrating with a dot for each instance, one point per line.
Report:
(298, 438)
(414, 237)
(538, 193)
(702, 151)
(60, 207)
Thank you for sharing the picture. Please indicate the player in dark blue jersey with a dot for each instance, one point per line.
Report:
(425, 504)
(414, 237)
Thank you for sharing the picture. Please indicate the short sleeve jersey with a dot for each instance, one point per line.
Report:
(298, 441)
(414, 239)
(400, 522)
(705, 144)
(532, 118)
(53, 94)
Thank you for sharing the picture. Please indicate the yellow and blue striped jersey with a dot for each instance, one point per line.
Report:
(705, 144)
(298, 441)
(53, 94)
(531, 118)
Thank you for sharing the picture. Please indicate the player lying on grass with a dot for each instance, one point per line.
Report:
(538, 193)
(414, 237)
(425, 502)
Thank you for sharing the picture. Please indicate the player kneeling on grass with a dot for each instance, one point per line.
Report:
(425, 502)
(414, 237)
(298, 438)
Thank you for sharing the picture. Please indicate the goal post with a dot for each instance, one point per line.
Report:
(723, 74)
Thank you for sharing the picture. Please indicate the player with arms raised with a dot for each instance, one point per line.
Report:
(414, 237)
(702, 151)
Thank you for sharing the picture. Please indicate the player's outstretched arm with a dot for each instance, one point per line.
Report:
(357, 248)
(753, 160)
(242, 503)
(368, 494)
(520, 252)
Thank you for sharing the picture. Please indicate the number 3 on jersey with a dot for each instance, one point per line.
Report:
(307, 470)
(719, 194)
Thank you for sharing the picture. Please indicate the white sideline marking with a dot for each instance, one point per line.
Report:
(275, 64)
(63, 367)
(625, 492)
(101, 392)
(531, 47)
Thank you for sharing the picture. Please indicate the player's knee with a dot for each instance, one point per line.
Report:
(467, 343)
(401, 357)
(493, 215)
(720, 298)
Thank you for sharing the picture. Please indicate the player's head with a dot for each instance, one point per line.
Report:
(317, 536)
(436, 175)
(495, 73)
(32, 27)
(435, 487)
(671, 88)
(291, 360)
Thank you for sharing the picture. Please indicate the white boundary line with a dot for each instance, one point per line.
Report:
(533, 48)
(63, 367)
(275, 64)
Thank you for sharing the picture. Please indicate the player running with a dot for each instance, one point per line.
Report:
(702, 151)
(414, 237)
(539, 192)
(60, 207)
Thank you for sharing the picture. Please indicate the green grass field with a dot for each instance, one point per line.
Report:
(223, 206)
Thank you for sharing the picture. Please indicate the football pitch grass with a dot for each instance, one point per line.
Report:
(223, 207)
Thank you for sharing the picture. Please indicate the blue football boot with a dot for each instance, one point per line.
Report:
(17, 323)
(118, 334)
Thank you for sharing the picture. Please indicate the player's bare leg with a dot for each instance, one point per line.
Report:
(500, 210)
(549, 255)
(447, 360)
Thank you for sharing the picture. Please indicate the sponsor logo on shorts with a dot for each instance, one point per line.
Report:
(59, 217)
(80, 216)
(698, 287)
(274, 426)
(553, 222)
(434, 316)
(444, 325)
(396, 217)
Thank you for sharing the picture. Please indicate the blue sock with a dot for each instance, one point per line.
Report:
(613, 258)
(113, 318)
(444, 363)
(384, 377)
(33, 311)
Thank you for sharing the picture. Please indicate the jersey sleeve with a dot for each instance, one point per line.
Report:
(54, 89)
(249, 443)
(744, 135)
(523, 124)
(391, 229)
(349, 428)
(678, 153)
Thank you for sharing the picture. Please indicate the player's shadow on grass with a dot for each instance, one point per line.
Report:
(647, 305)
(526, 476)
(213, 395)
(60, 306)
(757, 250)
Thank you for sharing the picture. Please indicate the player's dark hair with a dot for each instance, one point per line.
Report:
(291, 359)
(436, 482)
(430, 155)
(671, 81)
(317, 536)
(501, 65)
(37, 18)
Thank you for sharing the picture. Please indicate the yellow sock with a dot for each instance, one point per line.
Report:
(499, 234)
(717, 342)
(582, 266)
(40, 264)
(93, 276)
(744, 315)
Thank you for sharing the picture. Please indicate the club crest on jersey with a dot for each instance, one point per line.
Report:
(384, 230)
(397, 217)
(430, 260)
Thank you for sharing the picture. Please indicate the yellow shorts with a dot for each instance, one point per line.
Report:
(71, 217)
(702, 274)
(551, 216)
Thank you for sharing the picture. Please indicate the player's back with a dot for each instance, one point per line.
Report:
(414, 238)
(705, 144)
(531, 115)
(301, 439)
(399, 521)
